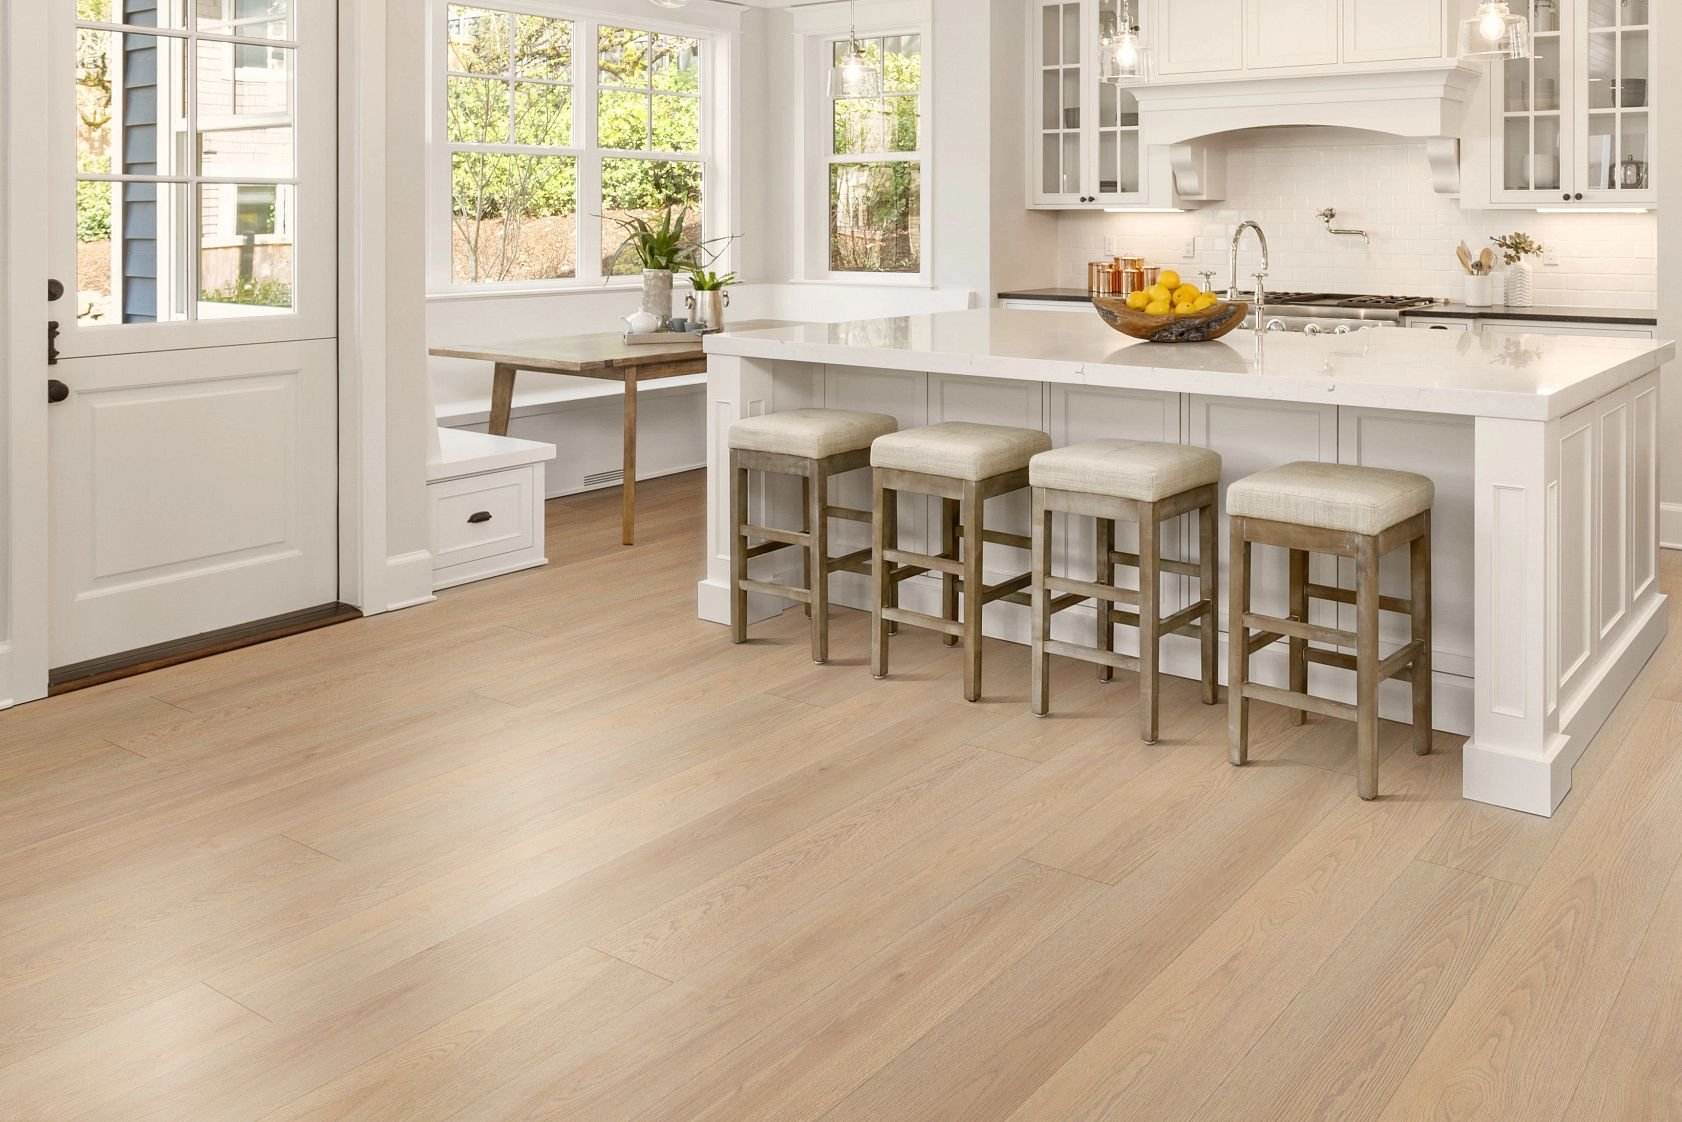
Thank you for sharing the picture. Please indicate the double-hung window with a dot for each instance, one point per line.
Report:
(875, 164)
(551, 120)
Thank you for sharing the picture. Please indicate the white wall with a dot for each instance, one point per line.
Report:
(1669, 171)
(1282, 178)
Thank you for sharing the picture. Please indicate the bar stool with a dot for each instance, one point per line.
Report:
(1354, 512)
(813, 444)
(1134, 481)
(963, 465)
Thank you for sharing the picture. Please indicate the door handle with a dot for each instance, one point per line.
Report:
(57, 391)
(481, 516)
(55, 290)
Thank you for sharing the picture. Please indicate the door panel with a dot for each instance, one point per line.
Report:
(1202, 38)
(189, 504)
(1291, 33)
(1392, 30)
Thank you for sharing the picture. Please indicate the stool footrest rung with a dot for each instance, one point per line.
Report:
(1064, 603)
(925, 561)
(848, 513)
(1008, 590)
(1000, 537)
(1166, 564)
(856, 562)
(1297, 629)
(923, 619)
(1092, 654)
(1347, 596)
(798, 595)
(766, 548)
(773, 534)
(1263, 640)
(1401, 659)
(1186, 619)
(1090, 590)
(1321, 705)
(1340, 660)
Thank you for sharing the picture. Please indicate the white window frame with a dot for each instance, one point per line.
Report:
(821, 154)
(717, 45)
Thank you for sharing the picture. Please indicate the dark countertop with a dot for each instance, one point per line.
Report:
(1058, 295)
(1540, 313)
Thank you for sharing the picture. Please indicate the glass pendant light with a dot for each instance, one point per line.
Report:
(1494, 34)
(853, 75)
(1123, 59)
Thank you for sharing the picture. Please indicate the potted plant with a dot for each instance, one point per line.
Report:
(1515, 248)
(662, 249)
(709, 298)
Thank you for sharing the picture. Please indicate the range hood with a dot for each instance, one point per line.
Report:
(1425, 103)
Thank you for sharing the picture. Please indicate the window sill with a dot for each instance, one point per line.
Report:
(521, 292)
(870, 280)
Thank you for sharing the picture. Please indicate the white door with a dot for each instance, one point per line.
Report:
(193, 225)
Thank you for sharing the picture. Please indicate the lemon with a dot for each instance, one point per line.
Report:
(1186, 293)
(1185, 308)
(1161, 294)
(1138, 300)
(1158, 308)
(1206, 301)
(1169, 279)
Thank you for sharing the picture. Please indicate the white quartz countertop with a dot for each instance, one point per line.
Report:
(1524, 377)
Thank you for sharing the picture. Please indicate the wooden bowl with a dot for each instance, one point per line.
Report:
(1199, 327)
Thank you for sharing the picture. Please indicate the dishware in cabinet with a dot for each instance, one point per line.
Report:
(1084, 146)
(1574, 125)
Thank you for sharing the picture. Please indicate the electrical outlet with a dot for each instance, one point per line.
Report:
(1112, 245)
(1190, 251)
(1550, 257)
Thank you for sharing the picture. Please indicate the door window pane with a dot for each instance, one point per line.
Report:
(252, 19)
(645, 189)
(513, 218)
(245, 110)
(246, 243)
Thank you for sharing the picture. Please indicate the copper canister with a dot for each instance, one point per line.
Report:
(1150, 274)
(1100, 278)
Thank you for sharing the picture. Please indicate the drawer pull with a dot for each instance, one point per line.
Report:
(482, 516)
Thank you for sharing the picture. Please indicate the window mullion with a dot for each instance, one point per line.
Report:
(589, 170)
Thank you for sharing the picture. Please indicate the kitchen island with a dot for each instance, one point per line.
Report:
(1544, 450)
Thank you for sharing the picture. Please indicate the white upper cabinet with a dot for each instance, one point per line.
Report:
(1213, 39)
(1084, 148)
(1282, 33)
(1393, 30)
(1575, 125)
(1200, 38)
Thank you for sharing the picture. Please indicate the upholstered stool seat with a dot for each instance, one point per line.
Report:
(815, 434)
(1358, 514)
(813, 444)
(1150, 484)
(1126, 469)
(1354, 500)
(959, 450)
(963, 465)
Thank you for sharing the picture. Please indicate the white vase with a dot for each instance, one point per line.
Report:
(657, 294)
(1520, 285)
(1498, 288)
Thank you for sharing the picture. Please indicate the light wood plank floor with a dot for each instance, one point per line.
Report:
(552, 848)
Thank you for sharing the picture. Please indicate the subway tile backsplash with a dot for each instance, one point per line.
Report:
(1381, 185)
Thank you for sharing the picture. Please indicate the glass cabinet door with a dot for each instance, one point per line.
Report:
(1616, 57)
(1118, 117)
(1533, 137)
(1060, 156)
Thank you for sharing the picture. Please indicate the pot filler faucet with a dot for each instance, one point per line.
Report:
(1261, 290)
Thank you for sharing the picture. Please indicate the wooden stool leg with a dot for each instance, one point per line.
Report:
(974, 589)
(1366, 669)
(1150, 618)
(1238, 644)
(1299, 647)
(806, 523)
(1420, 560)
(949, 515)
(1209, 588)
(817, 552)
(886, 511)
(738, 550)
(1104, 570)
(1040, 690)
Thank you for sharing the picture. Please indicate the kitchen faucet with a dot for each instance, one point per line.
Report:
(1261, 291)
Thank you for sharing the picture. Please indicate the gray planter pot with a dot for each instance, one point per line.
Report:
(657, 293)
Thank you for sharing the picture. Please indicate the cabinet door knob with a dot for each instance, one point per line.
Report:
(481, 516)
(1578, 196)
(1566, 196)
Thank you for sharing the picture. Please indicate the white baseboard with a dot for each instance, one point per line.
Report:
(1670, 525)
(409, 580)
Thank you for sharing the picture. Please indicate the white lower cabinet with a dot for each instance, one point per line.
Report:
(485, 499)
(1508, 328)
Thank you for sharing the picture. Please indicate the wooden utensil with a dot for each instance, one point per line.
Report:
(1486, 261)
(1465, 256)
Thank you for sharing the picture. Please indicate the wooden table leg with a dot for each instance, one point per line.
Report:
(502, 399)
(630, 515)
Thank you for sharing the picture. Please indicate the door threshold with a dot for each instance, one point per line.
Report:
(111, 668)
